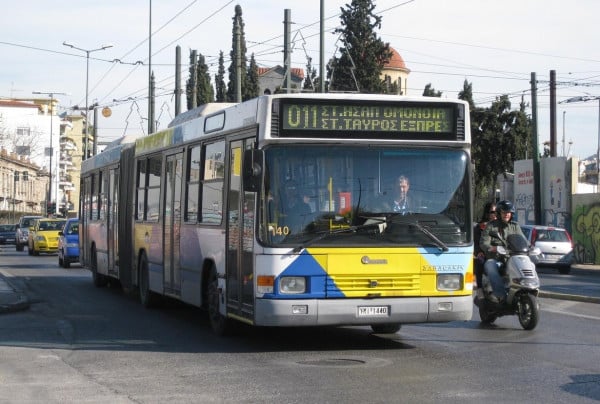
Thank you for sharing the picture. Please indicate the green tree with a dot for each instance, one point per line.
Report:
(429, 91)
(220, 86)
(482, 189)
(231, 85)
(204, 89)
(363, 55)
(252, 88)
(499, 138)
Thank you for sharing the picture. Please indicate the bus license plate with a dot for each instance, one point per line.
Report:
(373, 311)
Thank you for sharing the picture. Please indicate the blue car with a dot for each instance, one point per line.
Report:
(8, 233)
(68, 243)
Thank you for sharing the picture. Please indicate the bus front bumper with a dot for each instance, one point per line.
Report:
(310, 312)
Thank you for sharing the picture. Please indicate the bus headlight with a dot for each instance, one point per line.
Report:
(292, 284)
(449, 282)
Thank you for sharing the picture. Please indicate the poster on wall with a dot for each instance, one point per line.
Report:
(555, 191)
(524, 192)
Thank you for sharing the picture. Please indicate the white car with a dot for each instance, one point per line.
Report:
(555, 243)
(22, 233)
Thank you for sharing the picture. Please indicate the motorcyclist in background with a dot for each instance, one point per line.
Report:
(489, 214)
(495, 234)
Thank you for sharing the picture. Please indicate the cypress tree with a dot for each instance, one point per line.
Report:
(205, 92)
(231, 85)
(252, 88)
(363, 55)
(220, 86)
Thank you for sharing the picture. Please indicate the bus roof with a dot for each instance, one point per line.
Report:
(111, 154)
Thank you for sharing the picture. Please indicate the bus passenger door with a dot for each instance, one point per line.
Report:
(112, 221)
(240, 236)
(172, 223)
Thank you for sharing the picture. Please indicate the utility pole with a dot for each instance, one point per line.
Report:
(193, 62)
(537, 194)
(151, 126)
(87, 80)
(238, 61)
(322, 48)
(287, 63)
(553, 142)
(177, 80)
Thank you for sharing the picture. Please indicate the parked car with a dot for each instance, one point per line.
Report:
(22, 236)
(8, 233)
(554, 242)
(68, 243)
(43, 236)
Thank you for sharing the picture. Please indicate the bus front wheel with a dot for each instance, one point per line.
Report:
(385, 328)
(218, 322)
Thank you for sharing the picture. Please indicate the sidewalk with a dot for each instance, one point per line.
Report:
(12, 299)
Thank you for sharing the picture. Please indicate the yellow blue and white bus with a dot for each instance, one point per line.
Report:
(283, 211)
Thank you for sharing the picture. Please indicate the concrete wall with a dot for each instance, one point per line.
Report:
(586, 228)
(562, 204)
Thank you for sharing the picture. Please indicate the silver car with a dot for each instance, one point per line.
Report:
(555, 243)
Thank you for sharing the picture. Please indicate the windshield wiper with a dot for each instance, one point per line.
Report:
(423, 229)
(376, 225)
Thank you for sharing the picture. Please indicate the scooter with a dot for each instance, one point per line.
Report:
(521, 282)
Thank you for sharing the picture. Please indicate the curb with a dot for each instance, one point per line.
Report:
(11, 299)
(565, 296)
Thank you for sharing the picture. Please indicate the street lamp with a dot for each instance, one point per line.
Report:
(87, 76)
(586, 98)
(51, 95)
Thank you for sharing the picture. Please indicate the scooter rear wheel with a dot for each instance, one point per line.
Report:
(528, 311)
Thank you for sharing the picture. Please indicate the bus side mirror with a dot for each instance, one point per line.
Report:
(252, 169)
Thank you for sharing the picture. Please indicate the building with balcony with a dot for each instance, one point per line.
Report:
(70, 157)
(31, 132)
(23, 187)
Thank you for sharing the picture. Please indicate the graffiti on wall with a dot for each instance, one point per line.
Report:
(586, 233)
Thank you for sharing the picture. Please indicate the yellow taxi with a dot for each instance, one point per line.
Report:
(43, 236)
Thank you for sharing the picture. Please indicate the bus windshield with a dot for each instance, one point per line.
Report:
(332, 195)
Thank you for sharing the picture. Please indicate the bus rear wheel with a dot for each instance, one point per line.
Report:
(99, 280)
(147, 297)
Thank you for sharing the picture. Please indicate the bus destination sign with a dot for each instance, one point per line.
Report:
(377, 120)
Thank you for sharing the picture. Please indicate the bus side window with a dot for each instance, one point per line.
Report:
(212, 183)
(193, 184)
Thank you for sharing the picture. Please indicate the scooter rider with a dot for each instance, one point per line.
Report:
(494, 235)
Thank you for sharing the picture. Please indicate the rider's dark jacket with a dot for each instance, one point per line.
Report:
(495, 234)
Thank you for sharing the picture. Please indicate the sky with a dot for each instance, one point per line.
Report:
(494, 45)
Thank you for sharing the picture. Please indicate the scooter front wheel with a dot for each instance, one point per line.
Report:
(528, 311)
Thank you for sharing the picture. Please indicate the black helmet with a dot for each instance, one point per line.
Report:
(505, 206)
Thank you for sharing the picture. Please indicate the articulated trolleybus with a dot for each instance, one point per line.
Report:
(286, 210)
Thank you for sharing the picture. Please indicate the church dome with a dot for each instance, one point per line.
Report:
(396, 61)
